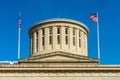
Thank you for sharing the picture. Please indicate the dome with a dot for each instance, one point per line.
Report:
(58, 34)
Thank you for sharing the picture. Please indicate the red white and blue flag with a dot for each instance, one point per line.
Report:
(19, 22)
(93, 17)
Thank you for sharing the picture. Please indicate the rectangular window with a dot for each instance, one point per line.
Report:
(43, 36)
(43, 32)
(58, 39)
(74, 36)
(73, 31)
(37, 41)
(50, 35)
(58, 35)
(66, 35)
(50, 30)
(66, 30)
(66, 39)
(58, 30)
(50, 39)
(73, 41)
(37, 45)
(43, 41)
(79, 42)
(79, 33)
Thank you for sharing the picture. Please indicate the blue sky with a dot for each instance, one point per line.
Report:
(35, 10)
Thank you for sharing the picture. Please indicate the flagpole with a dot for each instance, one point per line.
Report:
(18, 44)
(19, 25)
(98, 36)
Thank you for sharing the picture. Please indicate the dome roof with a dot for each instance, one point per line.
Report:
(59, 20)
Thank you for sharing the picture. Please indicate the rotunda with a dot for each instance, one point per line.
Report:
(58, 34)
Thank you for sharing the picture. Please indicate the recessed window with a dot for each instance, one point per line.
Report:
(73, 31)
(79, 34)
(58, 39)
(66, 35)
(79, 42)
(43, 41)
(74, 36)
(50, 35)
(43, 32)
(58, 30)
(36, 40)
(50, 30)
(58, 34)
(73, 41)
(43, 36)
(79, 39)
(66, 30)
(66, 39)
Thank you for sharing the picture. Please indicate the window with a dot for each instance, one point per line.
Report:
(66, 39)
(37, 41)
(73, 36)
(58, 34)
(73, 41)
(43, 37)
(58, 39)
(79, 39)
(43, 41)
(66, 30)
(50, 30)
(66, 35)
(73, 31)
(50, 35)
(43, 32)
(58, 30)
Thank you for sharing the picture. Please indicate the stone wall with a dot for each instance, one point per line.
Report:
(61, 76)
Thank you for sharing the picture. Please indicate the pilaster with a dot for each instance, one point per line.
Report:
(31, 44)
(70, 38)
(40, 35)
(77, 40)
(54, 37)
(62, 37)
(39, 39)
(46, 38)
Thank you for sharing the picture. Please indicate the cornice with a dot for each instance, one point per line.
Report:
(59, 20)
(79, 58)
(50, 70)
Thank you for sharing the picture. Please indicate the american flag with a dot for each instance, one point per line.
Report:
(19, 22)
(94, 17)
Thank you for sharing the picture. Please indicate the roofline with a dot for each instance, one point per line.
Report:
(60, 20)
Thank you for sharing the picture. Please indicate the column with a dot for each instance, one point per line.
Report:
(70, 38)
(86, 48)
(34, 42)
(77, 40)
(39, 40)
(54, 37)
(31, 46)
(82, 43)
(46, 38)
(62, 37)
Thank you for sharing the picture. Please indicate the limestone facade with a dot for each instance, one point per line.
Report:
(58, 52)
(58, 71)
(58, 35)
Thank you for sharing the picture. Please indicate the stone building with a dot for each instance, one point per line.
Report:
(58, 51)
